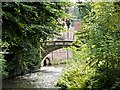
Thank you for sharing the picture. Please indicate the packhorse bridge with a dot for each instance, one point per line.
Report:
(54, 45)
(65, 40)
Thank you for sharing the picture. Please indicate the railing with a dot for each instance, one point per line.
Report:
(68, 35)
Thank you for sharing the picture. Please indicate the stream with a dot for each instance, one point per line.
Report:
(45, 77)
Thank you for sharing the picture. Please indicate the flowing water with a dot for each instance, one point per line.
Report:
(45, 77)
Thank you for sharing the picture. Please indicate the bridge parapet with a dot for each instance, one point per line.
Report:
(57, 43)
(65, 39)
(66, 35)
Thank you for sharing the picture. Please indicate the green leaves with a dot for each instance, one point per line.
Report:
(25, 26)
(101, 25)
(3, 65)
(98, 54)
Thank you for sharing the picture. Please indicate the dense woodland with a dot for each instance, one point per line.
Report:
(96, 60)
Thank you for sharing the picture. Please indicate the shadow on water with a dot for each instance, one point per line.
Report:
(42, 78)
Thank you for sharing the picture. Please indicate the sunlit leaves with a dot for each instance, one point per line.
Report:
(99, 48)
(101, 25)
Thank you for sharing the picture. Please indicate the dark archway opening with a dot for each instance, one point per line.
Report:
(47, 61)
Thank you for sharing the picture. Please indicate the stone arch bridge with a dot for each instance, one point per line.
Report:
(63, 40)
(54, 45)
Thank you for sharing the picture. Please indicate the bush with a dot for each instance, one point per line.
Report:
(78, 73)
(3, 66)
(99, 55)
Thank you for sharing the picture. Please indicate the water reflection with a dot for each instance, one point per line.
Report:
(43, 78)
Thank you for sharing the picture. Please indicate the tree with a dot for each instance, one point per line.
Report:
(26, 26)
(99, 54)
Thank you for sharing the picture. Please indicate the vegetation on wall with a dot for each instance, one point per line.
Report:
(96, 63)
(26, 26)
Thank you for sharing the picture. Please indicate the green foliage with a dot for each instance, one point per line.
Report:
(78, 72)
(3, 65)
(100, 37)
(102, 30)
(84, 9)
(26, 26)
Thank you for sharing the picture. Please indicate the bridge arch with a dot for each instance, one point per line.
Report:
(65, 40)
(54, 45)
(56, 55)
